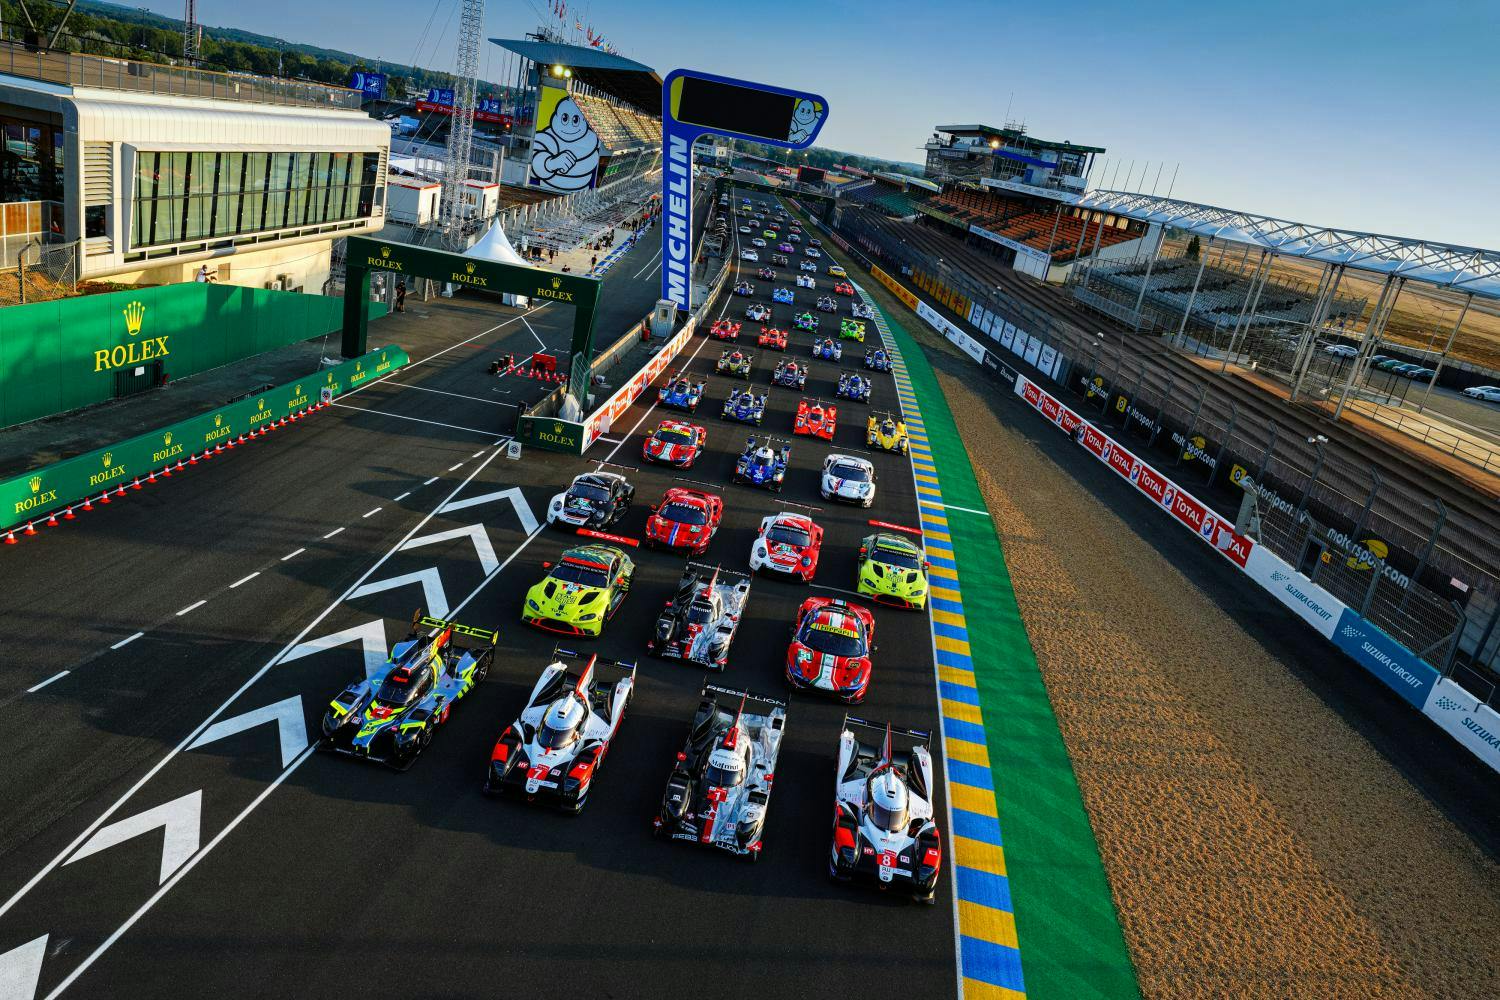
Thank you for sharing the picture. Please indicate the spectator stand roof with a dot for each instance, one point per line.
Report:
(633, 83)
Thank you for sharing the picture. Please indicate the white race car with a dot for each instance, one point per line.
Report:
(848, 478)
(699, 623)
(750, 255)
(806, 281)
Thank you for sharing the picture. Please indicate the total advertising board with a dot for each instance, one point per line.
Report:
(599, 422)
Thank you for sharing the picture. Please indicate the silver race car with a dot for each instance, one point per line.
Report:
(698, 624)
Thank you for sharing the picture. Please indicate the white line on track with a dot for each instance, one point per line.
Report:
(192, 607)
(371, 513)
(335, 531)
(478, 453)
(247, 579)
(442, 392)
(455, 468)
(966, 510)
(127, 640)
(540, 342)
(608, 440)
(417, 420)
(430, 481)
(649, 265)
(402, 497)
(292, 555)
(55, 677)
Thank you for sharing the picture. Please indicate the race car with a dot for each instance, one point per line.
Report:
(843, 288)
(750, 255)
(757, 312)
(680, 392)
(736, 363)
(675, 442)
(758, 242)
(883, 819)
(766, 274)
(581, 591)
(878, 360)
(744, 288)
(795, 236)
(815, 243)
(769, 234)
(724, 329)
(828, 304)
(780, 259)
(853, 385)
(745, 406)
(389, 716)
(848, 478)
(827, 349)
(745, 230)
(720, 785)
(788, 544)
(785, 247)
(593, 500)
(886, 431)
(789, 373)
(557, 744)
(830, 648)
(816, 419)
(699, 622)
(813, 251)
(893, 570)
(773, 338)
(806, 281)
(862, 310)
(785, 296)
(808, 265)
(805, 321)
(763, 464)
(685, 519)
(837, 271)
(851, 329)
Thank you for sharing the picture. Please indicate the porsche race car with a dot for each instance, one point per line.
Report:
(679, 392)
(852, 329)
(581, 591)
(830, 648)
(806, 281)
(763, 464)
(893, 570)
(785, 296)
(745, 406)
(757, 312)
(593, 500)
(698, 623)
(685, 519)
(675, 442)
(758, 242)
(772, 338)
(828, 304)
(736, 363)
(827, 349)
(744, 288)
(750, 255)
(855, 386)
(805, 321)
(886, 431)
(724, 329)
(843, 288)
(816, 418)
(878, 360)
(790, 374)
(862, 310)
(788, 544)
(848, 478)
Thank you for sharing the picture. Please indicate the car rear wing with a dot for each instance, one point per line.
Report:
(763, 699)
(576, 662)
(470, 635)
(922, 737)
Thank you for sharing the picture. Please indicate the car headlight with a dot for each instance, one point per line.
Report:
(588, 617)
(533, 605)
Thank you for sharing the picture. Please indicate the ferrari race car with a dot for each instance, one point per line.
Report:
(757, 312)
(837, 271)
(843, 288)
(744, 288)
(766, 274)
(855, 386)
(724, 329)
(893, 570)
(580, 592)
(827, 349)
(698, 624)
(763, 464)
(830, 648)
(675, 442)
(780, 259)
(828, 304)
(720, 784)
(681, 393)
(785, 296)
(788, 544)
(808, 265)
(862, 310)
(806, 281)
(852, 329)
(736, 363)
(390, 717)
(773, 338)
(557, 745)
(849, 479)
(816, 419)
(886, 431)
(877, 360)
(745, 406)
(805, 321)
(785, 247)
(685, 519)
(883, 826)
(790, 374)
(593, 500)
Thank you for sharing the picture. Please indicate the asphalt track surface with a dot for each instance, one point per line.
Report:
(144, 852)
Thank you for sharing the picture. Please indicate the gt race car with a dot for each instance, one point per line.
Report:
(848, 478)
(816, 419)
(681, 393)
(830, 648)
(809, 266)
(557, 744)
(772, 338)
(785, 247)
(757, 312)
(805, 321)
(878, 360)
(745, 406)
(720, 786)
(827, 349)
(828, 304)
(675, 442)
(837, 271)
(843, 288)
(736, 363)
(763, 464)
(390, 717)
(784, 296)
(685, 519)
(724, 329)
(744, 288)
(789, 545)
(855, 386)
(813, 251)
(580, 592)
(790, 374)
(893, 570)
(806, 281)
(593, 500)
(886, 431)
(750, 255)
(698, 623)
(852, 329)
(862, 310)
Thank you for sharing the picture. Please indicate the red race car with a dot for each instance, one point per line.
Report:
(675, 442)
(843, 288)
(685, 519)
(724, 329)
(817, 419)
(831, 647)
(773, 338)
(788, 544)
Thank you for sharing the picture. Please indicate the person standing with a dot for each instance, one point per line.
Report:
(401, 296)
(593, 262)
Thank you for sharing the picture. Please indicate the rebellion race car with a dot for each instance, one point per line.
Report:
(772, 338)
(849, 479)
(593, 500)
(805, 321)
(790, 374)
(757, 312)
(724, 329)
(878, 360)
(744, 288)
(676, 443)
(830, 648)
(766, 274)
(883, 826)
(580, 592)
(720, 786)
(745, 406)
(784, 296)
(827, 349)
(698, 623)
(736, 363)
(808, 266)
(685, 519)
(390, 716)
(763, 464)
(855, 386)
(806, 281)
(680, 392)
(886, 431)
(788, 545)
(893, 570)
(816, 418)
(852, 329)
(557, 745)
(862, 310)
(837, 271)
(843, 288)
(828, 304)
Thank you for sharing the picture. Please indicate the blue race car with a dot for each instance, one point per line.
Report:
(790, 374)
(763, 464)
(878, 360)
(745, 406)
(744, 288)
(827, 349)
(805, 321)
(681, 393)
(855, 386)
(782, 295)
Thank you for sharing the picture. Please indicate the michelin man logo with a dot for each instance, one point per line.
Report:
(804, 120)
(566, 152)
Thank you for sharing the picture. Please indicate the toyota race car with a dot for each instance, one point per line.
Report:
(883, 826)
(830, 648)
(893, 570)
(805, 321)
(790, 374)
(736, 363)
(816, 418)
(861, 310)
(675, 442)
(848, 478)
(788, 544)
(698, 624)
(556, 746)
(744, 288)
(772, 338)
(763, 464)
(593, 500)
(390, 716)
(852, 329)
(685, 519)
(581, 591)
(837, 271)
(757, 312)
(886, 431)
(843, 288)
(878, 360)
(806, 281)
(724, 329)
(681, 393)
(855, 386)
(828, 304)
(827, 349)
(785, 296)
(745, 406)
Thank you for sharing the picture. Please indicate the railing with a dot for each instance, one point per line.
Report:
(1466, 448)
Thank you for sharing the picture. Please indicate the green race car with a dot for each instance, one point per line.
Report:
(893, 570)
(852, 329)
(581, 591)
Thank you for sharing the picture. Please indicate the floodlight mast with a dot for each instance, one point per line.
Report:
(461, 126)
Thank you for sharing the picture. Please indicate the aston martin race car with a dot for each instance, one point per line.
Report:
(785, 296)
(837, 271)
(763, 464)
(720, 786)
(685, 519)
(878, 360)
(808, 265)
(698, 623)
(757, 312)
(806, 281)
(769, 234)
(736, 363)
(848, 478)
(675, 442)
(788, 544)
(852, 329)
(766, 274)
(855, 386)
(557, 745)
(780, 259)
(883, 826)
(745, 406)
(773, 338)
(744, 288)
(680, 392)
(580, 592)
(827, 349)
(724, 329)
(816, 418)
(893, 570)
(389, 716)
(886, 431)
(830, 648)
(843, 288)
(862, 310)
(828, 304)
(790, 374)
(593, 500)
(805, 321)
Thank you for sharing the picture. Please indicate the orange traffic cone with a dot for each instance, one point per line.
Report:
(152, 477)
(104, 497)
(29, 529)
(52, 520)
(69, 515)
(10, 538)
(88, 504)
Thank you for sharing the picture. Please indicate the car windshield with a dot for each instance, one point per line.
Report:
(904, 558)
(841, 637)
(587, 575)
(400, 688)
(889, 820)
(588, 491)
(723, 771)
(681, 386)
(788, 535)
(700, 612)
(684, 513)
(853, 473)
(667, 435)
(556, 739)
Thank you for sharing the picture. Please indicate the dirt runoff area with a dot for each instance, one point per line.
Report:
(1257, 846)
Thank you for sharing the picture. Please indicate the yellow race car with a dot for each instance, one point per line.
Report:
(886, 431)
(834, 270)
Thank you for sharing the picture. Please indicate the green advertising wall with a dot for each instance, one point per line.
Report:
(57, 356)
(30, 496)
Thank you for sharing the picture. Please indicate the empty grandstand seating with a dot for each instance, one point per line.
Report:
(1019, 220)
(617, 126)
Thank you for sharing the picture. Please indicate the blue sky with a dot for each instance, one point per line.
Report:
(1371, 116)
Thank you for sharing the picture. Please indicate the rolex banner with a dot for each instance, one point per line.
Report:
(31, 496)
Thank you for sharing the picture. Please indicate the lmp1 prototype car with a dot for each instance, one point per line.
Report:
(855, 386)
(816, 418)
(861, 310)
(836, 271)
(724, 329)
(886, 431)
(699, 622)
(593, 500)
(745, 406)
(852, 329)
(878, 360)
(736, 363)
(773, 338)
(805, 321)
(757, 312)
(675, 442)
(790, 374)
(766, 274)
(827, 349)
(808, 265)
(848, 478)
(785, 296)
(883, 827)
(720, 786)
(763, 464)
(830, 648)
(557, 745)
(788, 544)
(390, 717)
(828, 304)
(806, 281)
(744, 288)
(679, 392)
(893, 570)
(580, 592)
(685, 519)
(843, 288)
